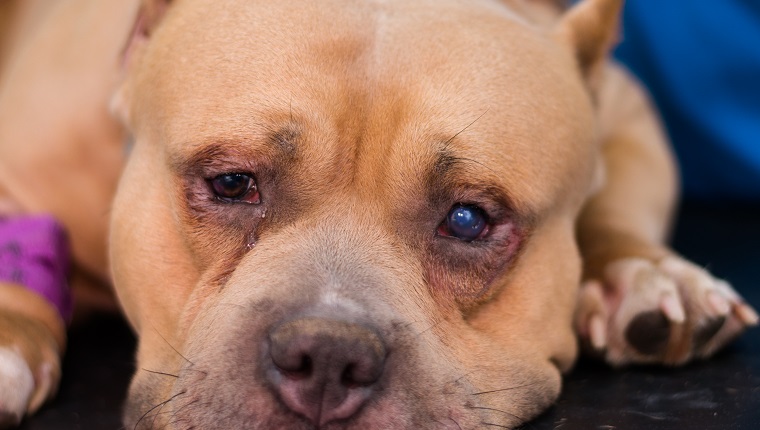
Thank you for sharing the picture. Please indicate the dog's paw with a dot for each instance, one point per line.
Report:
(29, 367)
(16, 387)
(667, 312)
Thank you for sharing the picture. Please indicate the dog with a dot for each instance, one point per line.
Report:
(384, 214)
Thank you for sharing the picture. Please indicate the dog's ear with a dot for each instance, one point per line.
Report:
(591, 28)
(149, 14)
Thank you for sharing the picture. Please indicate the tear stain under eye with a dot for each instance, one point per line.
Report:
(251, 242)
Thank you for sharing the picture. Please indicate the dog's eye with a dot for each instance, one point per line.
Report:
(235, 187)
(464, 222)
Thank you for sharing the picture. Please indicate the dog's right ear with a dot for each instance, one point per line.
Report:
(152, 11)
(147, 19)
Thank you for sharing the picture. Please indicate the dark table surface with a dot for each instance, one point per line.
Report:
(722, 393)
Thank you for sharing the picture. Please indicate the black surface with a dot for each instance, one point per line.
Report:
(720, 394)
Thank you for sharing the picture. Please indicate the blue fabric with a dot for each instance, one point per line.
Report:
(701, 61)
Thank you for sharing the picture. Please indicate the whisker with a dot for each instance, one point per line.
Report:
(156, 407)
(434, 325)
(446, 143)
(499, 410)
(455, 422)
(155, 416)
(172, 346)
(493, 425)
(503, 389)
(173, 419)
(410, 323)
(462, 377)
(425, 331)
(155, 372)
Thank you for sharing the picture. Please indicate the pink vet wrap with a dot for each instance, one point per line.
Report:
(34, 253)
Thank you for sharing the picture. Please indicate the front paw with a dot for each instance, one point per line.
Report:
(16, 387)
(29, 366)
(668, 312)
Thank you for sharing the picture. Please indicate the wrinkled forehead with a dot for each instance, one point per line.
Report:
(381, 75)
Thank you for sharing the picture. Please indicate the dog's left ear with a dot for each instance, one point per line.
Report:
(591, 28)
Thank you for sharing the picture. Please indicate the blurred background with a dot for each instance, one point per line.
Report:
(701, 62)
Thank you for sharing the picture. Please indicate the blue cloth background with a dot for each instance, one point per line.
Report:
(701, 61)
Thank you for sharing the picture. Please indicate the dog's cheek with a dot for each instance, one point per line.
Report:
(461, 283)
(470, 274)
(215, 231)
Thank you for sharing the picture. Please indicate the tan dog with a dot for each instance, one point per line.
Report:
(346, 215)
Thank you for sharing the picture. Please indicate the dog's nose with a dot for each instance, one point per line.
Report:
(325, 369)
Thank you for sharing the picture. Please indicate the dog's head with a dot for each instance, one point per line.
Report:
(353, 215)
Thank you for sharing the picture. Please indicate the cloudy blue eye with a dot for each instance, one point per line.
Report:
(235, 187)
(464, 222)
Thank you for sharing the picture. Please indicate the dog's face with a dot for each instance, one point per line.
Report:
(353, 216)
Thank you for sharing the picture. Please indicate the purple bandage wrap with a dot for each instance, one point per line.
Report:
(34, 253)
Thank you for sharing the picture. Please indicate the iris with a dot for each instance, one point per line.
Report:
(234, 186)
(466, 222)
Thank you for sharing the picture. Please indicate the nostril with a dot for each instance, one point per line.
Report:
(364, 371)
(347, 378)
(302, 370)
(306, 366)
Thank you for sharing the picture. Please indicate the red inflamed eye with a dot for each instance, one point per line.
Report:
(235, 187)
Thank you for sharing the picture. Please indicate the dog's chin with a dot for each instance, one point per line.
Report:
(224, 384)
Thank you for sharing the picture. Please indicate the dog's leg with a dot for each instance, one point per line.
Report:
(32, 338)
(60, 154)
(32, 334)
(640, 302)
